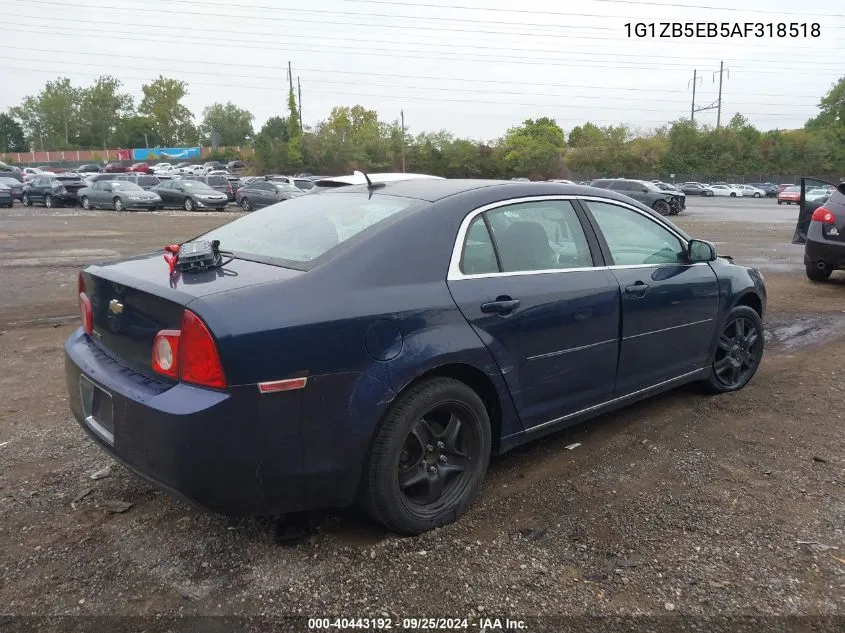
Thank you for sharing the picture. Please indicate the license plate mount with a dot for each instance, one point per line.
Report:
(98, 409)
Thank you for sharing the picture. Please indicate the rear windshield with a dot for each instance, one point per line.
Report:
(297, 232)
(148, 180)
(304, 184)
(217, 180)
(73, 178)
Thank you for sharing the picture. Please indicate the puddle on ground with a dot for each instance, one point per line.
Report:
(804, 331)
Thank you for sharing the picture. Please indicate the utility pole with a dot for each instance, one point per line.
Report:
(719, 111)
(402, 114)
(146, 141)
(692, 107)
(299, 92)
(290, 77)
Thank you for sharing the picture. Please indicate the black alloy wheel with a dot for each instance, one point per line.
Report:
(429, 457)
(661, 206)
(739, 350)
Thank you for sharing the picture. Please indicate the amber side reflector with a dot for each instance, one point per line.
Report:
(274, 386)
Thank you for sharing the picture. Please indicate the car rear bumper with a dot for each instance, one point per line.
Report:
(820, 249)
(236, 452)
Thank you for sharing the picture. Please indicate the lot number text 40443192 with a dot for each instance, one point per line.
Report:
(722, 29)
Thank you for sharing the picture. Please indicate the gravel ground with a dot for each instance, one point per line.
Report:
(683, 505)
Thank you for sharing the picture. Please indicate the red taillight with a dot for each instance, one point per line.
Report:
(166, 353)
(189, 354)
(824, 216)
(85, 307)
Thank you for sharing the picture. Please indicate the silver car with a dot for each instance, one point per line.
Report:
(118, 195)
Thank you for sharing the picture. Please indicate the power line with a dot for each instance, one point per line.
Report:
(395, 95)
(480, 58)
(391, 85)
(564, 13)
(181, 29)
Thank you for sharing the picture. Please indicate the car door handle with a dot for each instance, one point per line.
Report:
(500, 306)
(636, 290)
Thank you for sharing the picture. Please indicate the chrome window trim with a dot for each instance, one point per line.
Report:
(454, 273)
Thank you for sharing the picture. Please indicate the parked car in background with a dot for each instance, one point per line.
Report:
(562, 181)
(145, 181)
(31, 171)
(769, 189)
(665, 186)
(790, 195)
(11, 171)
(140, 167)
(748, 191)
(303, 184)
(190, 195)
(15, 185)
(118, 195)
(53, 190)
(90, 168)
(211, 165)
(235, 164)
(6, 197)
(725, 191)
(649, 194)
(218, 183)
(115, 168)
(824, 250)
(817, 194)
(261, 193)
(161, 167)
(378, 344)
(696, 189)
(781, 187)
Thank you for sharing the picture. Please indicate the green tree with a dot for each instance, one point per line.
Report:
(171, 119)
(11, 135)
(137, 131)
(587, 135)
(534, 149)
(232, 124)
(51, 118)
(102, 109)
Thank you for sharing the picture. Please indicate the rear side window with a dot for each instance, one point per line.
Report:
(297, 232)
(543, 235)
(217, 180)
(479, 256)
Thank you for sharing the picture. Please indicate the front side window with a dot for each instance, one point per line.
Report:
(634, 239)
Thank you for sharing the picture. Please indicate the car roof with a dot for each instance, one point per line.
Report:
(434, 189)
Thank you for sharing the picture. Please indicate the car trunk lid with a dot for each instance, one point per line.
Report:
(133, 299)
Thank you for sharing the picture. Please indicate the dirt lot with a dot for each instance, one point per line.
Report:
(682, 505)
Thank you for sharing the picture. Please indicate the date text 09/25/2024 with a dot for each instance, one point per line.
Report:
(723, 29)
(482, 624)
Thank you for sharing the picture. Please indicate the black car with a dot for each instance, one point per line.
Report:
(88, 169)
(665, 186)
(769, 188)
(6, 199)
(145, 181)
(53, 190)
(696, 189)
(664, 202)
(14, 184)
(219, 183)
(10, 171)
(261, 193)
(190, 195)
(235, 164)
(824, 249)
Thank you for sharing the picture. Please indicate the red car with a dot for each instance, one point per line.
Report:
(789, 195)
(114, 168)
(140, 167)
(780, 188)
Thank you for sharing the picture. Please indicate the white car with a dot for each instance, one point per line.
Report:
(161, 167)
(819, 193)
(303, 184)
(750, 192)
(725, 190)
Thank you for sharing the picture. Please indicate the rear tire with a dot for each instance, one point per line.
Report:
(780, 201)
(26, 201)
(733, 195)
(428, 458)
(86, 203)
(739, 350)
(48, 202)
(816, 274)
(756, 195)
(246, 205)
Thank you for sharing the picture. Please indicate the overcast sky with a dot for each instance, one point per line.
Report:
(474, 71)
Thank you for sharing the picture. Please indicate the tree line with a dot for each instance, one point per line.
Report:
(64, 117)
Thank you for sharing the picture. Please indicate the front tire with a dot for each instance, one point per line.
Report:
(817, 274)
(662, 207)
(189, 204)
(780, 201)
(27, 202)
(733, 195)
(118, 204)
(756, 195)
(428, 458)
(739, 350)
(48, 202)
(86, 203)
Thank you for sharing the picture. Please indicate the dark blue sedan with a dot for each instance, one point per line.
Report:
(377, 343)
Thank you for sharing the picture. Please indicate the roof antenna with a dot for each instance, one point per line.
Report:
(370, 184)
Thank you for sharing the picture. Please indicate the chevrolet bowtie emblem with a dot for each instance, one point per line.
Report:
(115, 307)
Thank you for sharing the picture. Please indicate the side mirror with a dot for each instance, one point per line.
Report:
(701, 251)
